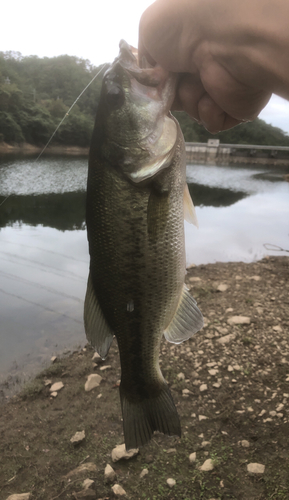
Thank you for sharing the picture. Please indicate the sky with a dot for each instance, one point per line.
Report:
(90, 29)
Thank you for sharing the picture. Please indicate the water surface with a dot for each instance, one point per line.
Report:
(44, 253)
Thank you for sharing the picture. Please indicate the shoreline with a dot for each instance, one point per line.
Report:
(27, 149)
(229, 382)
(15, 380)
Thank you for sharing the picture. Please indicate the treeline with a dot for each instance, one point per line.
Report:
(35, 94)
(256, 132)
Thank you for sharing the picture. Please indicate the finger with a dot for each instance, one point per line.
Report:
(214, 118)
(189, 92)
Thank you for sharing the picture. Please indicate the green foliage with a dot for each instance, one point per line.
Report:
(256, 132)
(35, 94)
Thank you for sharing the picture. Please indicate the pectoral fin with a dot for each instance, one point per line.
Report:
(189, 209)
(187, 320)
(97, 330)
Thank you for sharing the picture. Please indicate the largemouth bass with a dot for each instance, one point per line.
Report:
(135, 223)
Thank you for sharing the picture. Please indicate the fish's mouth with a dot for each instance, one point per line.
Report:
(146, 74)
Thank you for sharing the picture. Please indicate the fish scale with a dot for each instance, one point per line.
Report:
(135, 211)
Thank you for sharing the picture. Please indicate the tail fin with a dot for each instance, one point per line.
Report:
(142, 418)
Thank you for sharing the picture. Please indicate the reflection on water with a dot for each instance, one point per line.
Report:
(44, 255)
(64, 211)
(214, 196)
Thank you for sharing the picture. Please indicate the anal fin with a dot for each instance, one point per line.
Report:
(98, 332)
(187, 320)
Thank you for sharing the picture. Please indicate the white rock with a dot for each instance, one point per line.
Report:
(222, 287)
(56, 387)
(87, 467)
(118, 490)
(171, 482)
(53, 359)
(109, 473)
(227, 338)
(202, 417)
(93, 381)
(273, 413)
(78, 437)
(217, 385)
(262, 412)
(143, 473)
(120, 452)
(186, 392)
(205, 444)
(105, 367)
(87, 483)
(207, 465)
(203, 387)
(213, 372)
(239, 320)
(194, 279)
(172, 450)
(280, 407)
(230, 368)
(19, 496)
(255, 468)
(255, 278)
(277, 328)
(181, 376)
(245, 443)
(96, 357)
(47, 382)
(54, 394)
(193, 457)
(237, 367)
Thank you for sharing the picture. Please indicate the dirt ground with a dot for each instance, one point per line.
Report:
(230, 383)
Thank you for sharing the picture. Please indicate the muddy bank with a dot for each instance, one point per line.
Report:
(230, 383)
(28, 149)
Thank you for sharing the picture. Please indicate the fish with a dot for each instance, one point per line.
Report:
(137, 197)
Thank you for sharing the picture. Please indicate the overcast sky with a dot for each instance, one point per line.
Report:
(90, 29)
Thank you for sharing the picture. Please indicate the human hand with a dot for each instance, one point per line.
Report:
(220, 84)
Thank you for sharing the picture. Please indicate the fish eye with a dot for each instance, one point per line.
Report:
(114, 96)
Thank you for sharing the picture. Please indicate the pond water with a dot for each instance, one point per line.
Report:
(44, 252)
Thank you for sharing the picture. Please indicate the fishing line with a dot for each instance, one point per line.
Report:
(38, 285)
(43, 270)
(40, 305)
(274, 248)
(67, 113)
(5, 199)
(44, 250)
(105, 65)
